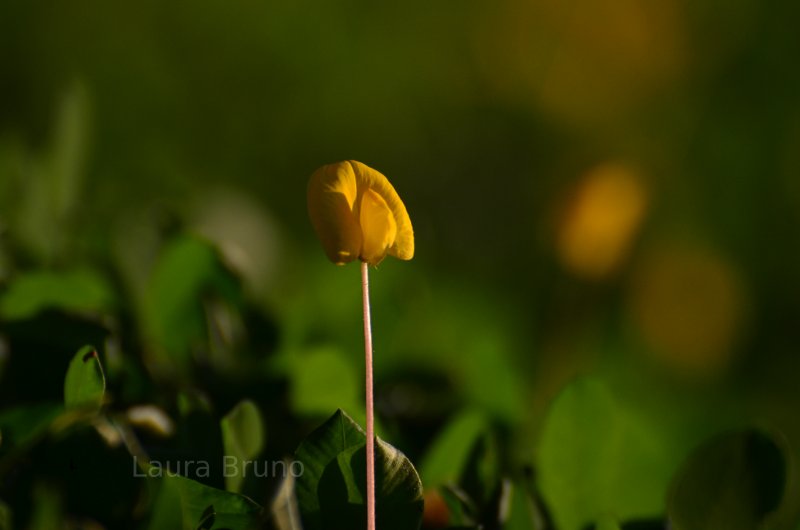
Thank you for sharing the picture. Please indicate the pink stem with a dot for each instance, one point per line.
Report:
(370, 411)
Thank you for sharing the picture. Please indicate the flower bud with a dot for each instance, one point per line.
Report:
(357, 214)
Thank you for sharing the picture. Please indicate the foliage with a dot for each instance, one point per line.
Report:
(736, 480)
(85, 384)
(333, 485)
(600, 452)
(243, 439)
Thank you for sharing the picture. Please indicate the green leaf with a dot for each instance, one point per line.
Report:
(448, 456)
(85, 384)
(186, 504)
(606, 452)
(481, 476)
(398, 489)
(322, 379)
(607, 523)
(50, 184)
(519, 509)
(174, 320)
(243, 439)
(49, 511)
(332, 485)
(6, 517)
(316, 452)
(24, 425)
(33, 292)
(461, 509)
(207, 519)
(735, 481)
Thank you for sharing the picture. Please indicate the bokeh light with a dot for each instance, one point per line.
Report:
(690, 306)
(601, 221)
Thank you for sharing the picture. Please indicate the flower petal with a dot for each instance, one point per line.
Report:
(378, 227)
(332, 193)
(366, 177)
(357, 214)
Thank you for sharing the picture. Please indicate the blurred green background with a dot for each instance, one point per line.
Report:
(605, 198)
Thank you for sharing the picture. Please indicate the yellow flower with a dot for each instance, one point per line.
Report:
(357, 214)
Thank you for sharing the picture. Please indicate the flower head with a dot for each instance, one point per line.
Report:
(357, 214)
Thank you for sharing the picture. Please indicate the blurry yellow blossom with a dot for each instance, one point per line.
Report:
(601, 221)
(357, 214)
(587, 63)
(688, 304)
